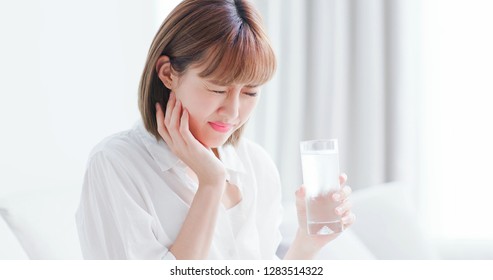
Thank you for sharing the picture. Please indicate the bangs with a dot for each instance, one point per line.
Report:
(243, 57)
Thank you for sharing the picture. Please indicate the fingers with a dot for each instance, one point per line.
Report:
(300, 197)
(342, 179)
(343, 208)
(161, 127)
(169, 107)
(171, 123)
(346, 191)
(300, 193)
(175, 116)
(159, 117)
(184, 126)
(343, 194)
(301, 204)
(348, 219)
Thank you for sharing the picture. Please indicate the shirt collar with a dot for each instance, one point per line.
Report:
(230, 158)
(166, 159)
(158, 150)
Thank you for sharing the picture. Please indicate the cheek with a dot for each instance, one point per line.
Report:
(199, 108)
(196, 116)
(248, 108)
(193, 100)
(194, 126)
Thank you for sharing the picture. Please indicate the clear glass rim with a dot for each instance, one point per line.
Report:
(311, 145)
(335, 140)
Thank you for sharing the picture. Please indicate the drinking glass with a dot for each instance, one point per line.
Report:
(320, 166)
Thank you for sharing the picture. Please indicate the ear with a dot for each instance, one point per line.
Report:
(165, 72)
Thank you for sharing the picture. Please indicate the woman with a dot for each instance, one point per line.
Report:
(183, 184)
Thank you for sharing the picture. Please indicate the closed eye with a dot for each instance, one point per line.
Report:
(252, 94)
(218, 91)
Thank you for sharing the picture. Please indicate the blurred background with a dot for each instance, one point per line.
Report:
(406, 87)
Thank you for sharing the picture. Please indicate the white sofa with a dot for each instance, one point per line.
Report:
(40, 225)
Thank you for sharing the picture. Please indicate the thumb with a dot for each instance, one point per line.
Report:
(300, 193)
(300, 200)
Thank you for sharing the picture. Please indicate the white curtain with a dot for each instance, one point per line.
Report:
(345, 71)
(405, 86)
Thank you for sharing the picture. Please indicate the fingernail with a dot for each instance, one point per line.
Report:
(348, 190)
(336, 197)
(299, 191)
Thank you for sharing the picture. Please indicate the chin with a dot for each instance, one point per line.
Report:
(214, 142)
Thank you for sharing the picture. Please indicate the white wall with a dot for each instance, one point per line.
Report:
(456, 120)
(69, 76)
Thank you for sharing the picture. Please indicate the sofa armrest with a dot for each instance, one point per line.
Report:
(43, 222)
(10, 247)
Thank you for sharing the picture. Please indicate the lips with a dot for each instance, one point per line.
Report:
(221, 127)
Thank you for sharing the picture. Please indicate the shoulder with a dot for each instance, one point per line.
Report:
(115, 148)
(115, 164)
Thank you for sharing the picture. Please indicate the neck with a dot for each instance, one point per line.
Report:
(216, 153)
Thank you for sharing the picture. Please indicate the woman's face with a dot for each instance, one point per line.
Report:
(216, 111)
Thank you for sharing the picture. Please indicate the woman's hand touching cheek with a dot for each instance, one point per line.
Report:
(174, 129)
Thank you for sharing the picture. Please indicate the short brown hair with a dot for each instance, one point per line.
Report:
(224, 37)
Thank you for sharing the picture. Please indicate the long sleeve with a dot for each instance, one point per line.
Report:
(112, 219)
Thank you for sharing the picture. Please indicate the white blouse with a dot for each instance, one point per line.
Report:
(136, 195)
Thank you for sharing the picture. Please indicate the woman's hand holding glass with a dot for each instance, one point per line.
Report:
(173, 126)
(343, 209)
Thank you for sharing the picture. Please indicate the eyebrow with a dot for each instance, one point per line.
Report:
(252, 86)
(220, 84)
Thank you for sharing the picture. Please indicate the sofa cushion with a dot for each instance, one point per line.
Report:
(43, 222)
(387, 223)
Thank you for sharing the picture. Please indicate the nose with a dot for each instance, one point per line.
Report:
(230, 108)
